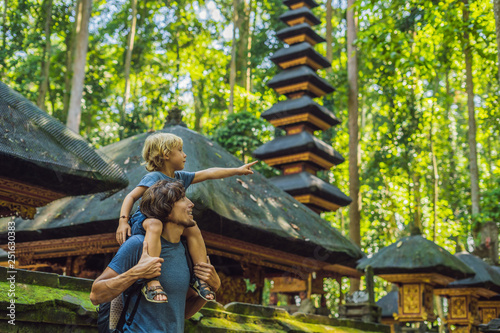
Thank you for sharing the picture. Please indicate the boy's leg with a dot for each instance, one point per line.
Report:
(154, 228)
(198, 252)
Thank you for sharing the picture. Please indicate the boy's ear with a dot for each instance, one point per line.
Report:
(165, 156)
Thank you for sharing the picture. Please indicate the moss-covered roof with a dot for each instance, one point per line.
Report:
(51, 303)
(37, 149)
(248, 208)
(486, 276)
(415, 254)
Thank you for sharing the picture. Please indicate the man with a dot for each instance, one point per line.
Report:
(167, 202)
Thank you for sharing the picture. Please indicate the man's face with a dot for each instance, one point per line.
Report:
(182, 213)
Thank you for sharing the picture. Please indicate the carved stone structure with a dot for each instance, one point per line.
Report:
(416, 266)
(463, 295)
(299, 154)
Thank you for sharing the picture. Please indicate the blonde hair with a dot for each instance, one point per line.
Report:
(156, 147)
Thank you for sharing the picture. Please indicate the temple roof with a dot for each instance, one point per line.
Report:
(295, 144)
(37, 149)
(248, 208)
(309, 3)
(299, 13)
(415, 254)
(304, 104)
(486, 276)
(299, 50)
(306, 183)
(299, 29)
(389, 304)
(300, 74)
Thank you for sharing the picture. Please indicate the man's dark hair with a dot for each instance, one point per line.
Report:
(158, 200)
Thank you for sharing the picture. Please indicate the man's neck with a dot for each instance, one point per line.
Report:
(172, 232)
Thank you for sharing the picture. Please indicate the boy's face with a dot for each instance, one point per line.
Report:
(176, 159)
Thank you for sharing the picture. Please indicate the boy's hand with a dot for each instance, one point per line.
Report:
(246, 169)
(122, 232)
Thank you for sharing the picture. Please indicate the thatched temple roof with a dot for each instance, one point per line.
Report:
(37, 149)
(248, 208)
(486, 276)
(415, 254)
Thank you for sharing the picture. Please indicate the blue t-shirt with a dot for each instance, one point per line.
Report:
(157, 317)
(149, 180)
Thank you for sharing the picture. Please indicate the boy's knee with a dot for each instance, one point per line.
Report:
(154, 226)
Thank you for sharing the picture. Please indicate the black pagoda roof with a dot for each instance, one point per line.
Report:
(299, 50)
(306, 183)
(298, 13)
(309, 3)
(297, 75)
(299, 29)
(304, 104)
(296, 144)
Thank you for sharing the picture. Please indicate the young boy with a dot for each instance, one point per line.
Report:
(165, 158)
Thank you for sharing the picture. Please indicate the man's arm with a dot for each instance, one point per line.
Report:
(207, 273)
(110, 284)
(218, 173)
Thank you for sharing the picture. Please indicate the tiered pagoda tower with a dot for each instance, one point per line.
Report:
(299, 154)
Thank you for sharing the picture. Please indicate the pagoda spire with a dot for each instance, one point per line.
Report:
(299, 154)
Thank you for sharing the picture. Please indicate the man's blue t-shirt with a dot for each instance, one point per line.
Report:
(157, 317)
(151, 178)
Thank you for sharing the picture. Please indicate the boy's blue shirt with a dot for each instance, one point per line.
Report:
(175, 276)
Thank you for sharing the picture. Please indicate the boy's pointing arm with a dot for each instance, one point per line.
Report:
(218, 173)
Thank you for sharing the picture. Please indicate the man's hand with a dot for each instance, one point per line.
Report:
(148, 267)
(246, 169)
(206, 272)
(122, 232)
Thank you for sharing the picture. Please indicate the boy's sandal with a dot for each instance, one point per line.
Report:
(151, 292)
(203, 290)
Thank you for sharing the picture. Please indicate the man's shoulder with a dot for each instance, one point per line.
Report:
(133, 242)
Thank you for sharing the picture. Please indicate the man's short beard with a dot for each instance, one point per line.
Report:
(186, 224)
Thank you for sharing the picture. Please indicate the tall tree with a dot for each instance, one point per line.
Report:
(79, 63)
(496, 11)
(232, 73)
(352, 78)
(44, 77)
(329, 33)
(469, 85)
(128, 61)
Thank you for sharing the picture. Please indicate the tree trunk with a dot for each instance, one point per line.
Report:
(70, 51)
(496, 12)
(435, 177)
(352, 78)
(329, 32)
(232, 73)
(242, 43)
(128, 60)
(4, 37)
(80, 60)
(44, 80)
(248, 76)
(474, 173)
